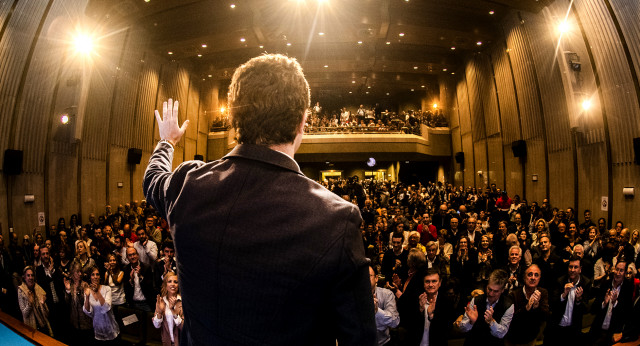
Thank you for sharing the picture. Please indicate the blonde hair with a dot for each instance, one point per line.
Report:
(163, 289)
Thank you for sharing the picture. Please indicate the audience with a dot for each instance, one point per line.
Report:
(502, 267)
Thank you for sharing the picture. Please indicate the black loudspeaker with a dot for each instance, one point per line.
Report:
(636, 149)
(12, 164)
(134, 156)
(459, 157)
(519, 148)
(198, 157)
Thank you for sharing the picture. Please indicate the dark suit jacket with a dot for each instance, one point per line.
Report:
(621, 312)
(265, 255)
(579, 307)
(440, 326)
(146, 284)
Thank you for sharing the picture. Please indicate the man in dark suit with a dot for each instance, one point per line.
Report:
(138, 289)
(568, 305)
(303, 279)
(612, 307)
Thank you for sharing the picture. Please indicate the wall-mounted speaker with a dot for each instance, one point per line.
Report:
(519, 148)
(459, 157)
(12, 164)
(198, 157)
(636, 150)
(134, 156)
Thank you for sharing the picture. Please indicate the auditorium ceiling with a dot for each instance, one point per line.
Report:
(345, 46)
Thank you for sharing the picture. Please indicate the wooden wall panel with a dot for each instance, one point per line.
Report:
(127, 75)
(535, 165)
(469, 168)
(592, 178)
(506, 95)
(147, 95)
(554, 103)
(463, 107)
(496, 163)
(561, 176)
(5, 10)
(627, 13)
(480, 162)
(33, 110)
(487, 90)
(93, 187)
(620, 98)
(513, 173)
(15, 45)
(98, 128)
(475, 102)
(525, 81)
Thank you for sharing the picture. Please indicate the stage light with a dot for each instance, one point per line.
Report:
(83, 43)
(586, 104)
(435, 105)
(222, 109)
(563, 27)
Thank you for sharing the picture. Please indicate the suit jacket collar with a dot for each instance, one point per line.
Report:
(264, 154)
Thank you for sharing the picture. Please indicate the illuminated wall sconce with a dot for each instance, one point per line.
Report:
(120, 184)
(628, 192)
(534, 177)
(29, 198)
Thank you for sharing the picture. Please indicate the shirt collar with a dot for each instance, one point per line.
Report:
(264, 154)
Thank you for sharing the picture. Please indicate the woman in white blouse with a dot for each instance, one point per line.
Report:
(168, 314)
(97, 305)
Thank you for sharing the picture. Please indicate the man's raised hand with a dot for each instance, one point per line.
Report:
(168, 124)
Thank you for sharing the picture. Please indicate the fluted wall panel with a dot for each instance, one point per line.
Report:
(627, 13)
(5, 10)
(14, 52)
(619, 94)
(470, 172)
(475, 101)
(33, 109)
(524, 76)
(506, 95)
(147, 95)
(554, 103)
(128, 73)
(463, 107)
(487, 90)
(98, 127)
(496, 163)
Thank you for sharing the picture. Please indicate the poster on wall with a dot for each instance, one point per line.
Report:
(41, 218)
(604, 204)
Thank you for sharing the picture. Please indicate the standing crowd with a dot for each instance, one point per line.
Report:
(452, 263)
(77, 282)
(446, 263)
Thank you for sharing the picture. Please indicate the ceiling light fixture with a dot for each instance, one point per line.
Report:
(415, 67)
(353, 82)
(563, 27)
(321, 33)
(289, 44)
(325, 66)
(232, 6)
(401, 34)
(204, 45)
(453, 48)
(359, 42)
(242, 39)
(199, 55)
(444, 70)
(422, 86)
(491, 12)
(170, 53)
(261, 46)
(388, 43)
(479, 43)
